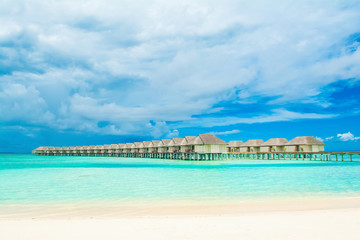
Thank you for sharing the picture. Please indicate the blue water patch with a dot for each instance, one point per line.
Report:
(30, 178)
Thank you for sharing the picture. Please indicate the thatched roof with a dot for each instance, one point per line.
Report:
(99, 147)
(175, 142)
(128, 145)
(253, 143)
(138, 145)
(275, 142)
(113, 146)
(146, 143)
(40, 149)
(122, 145)
(165, 142)
(234, 143)
(154, 143)
(71, 148)
(118, 146)
(187, 140)
(207, 139)
(307, 140)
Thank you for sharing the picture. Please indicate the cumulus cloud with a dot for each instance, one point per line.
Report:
(347, 137)
(120, 67)
(319, 139)
(329, 138)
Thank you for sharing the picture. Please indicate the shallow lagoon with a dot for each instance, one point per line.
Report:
(34, 179)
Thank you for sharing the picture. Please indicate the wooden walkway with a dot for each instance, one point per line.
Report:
(311, 156)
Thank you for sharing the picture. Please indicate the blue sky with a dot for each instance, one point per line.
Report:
(99, 72)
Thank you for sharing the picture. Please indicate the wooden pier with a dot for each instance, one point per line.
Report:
(309, 156)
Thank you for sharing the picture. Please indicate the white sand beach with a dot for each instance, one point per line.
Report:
(312, 219)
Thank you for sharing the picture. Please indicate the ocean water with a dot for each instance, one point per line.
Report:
(36, 179)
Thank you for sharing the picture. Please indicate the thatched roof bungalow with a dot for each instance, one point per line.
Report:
(186, 144)
(119, 148)
(234, 146)
(274, 145)
(251, 145)
(153, 147)
(305, 144)
(127, 147)
(163, 146)
(136, 147)
(39, 150)
(175, 145)
(146, 146)
(208, 143)
(90, 149)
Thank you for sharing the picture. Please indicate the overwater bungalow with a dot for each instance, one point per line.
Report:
(137, 147)
(56, 150)
(81, 150)
(304, 144)
(234, 146)
(39, 150)
(201, 147)
(89, 150)
(119, 149)
(112, 149)
(153, 147)
(207, 143)
(123, 148)
(146, 146)
(127, 147)
(163, 146)
(133, 148)
(274, 145)
(48, 150)
(175, 145)
(105, 150)
(251, 145)
(60, 151)
(97, 150)
(186, 147)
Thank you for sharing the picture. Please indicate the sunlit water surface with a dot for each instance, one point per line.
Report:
(35, 179)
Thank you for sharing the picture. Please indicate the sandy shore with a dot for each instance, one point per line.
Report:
(310, 219)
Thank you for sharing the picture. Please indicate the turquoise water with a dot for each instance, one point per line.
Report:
(31, 179)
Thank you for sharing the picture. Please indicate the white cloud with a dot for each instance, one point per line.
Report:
(277, 115)
(347, 137)
(319, 139)
(78, 63)
(329, 138)
(18, 101)
(226, 132)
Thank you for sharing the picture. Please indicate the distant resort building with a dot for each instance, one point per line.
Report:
(251, 145)
(304, 144)
(234, 146)
(274, 145)
(190, 146)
